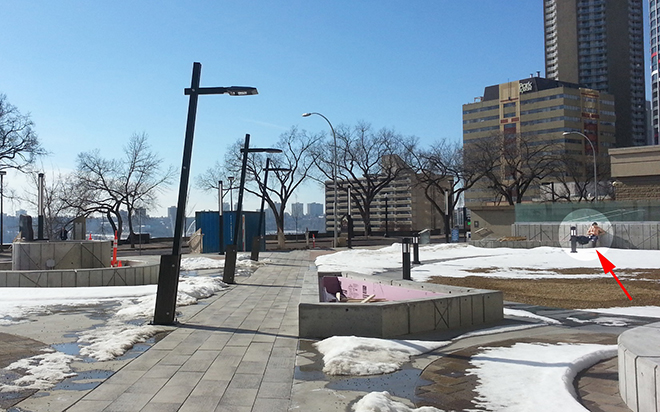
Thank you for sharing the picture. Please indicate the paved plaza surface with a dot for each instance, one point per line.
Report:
(240, 352)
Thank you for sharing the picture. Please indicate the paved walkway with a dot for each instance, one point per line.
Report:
(237, 354)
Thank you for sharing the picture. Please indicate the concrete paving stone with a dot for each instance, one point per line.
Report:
(174, 359)
(262, 337)
(199, 361)
(277, 374)
(252, 367)
(177, 389)
(210, 387)
(172, 340)
(231, 350)
(241, 339)
(282, 361)
(233, 408)
(200, 403)
(161, 371)
(107, 392)
(161, 407)
(85, 405)
(239, 397)
(245, 381)
(215, 342)
(148, 385)
(271, 405)
(128, 402)
(127, 377)
(147, 360)
(258, 351)
(278, 390)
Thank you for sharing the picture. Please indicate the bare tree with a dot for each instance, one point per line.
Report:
(442, 170)
(19, 145)
(573, 178)
(105, 186)
(510, 163)
(366, 160)
(297, 156)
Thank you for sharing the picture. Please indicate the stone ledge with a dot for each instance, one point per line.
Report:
(639, 367)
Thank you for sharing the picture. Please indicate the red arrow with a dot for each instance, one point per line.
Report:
(607, 267)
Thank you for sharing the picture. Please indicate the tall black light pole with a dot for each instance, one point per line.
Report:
(40, 206)
(221, 196)
(230, 255)
(334, 175)
(256, 241)
(168, 275)
(231, 193)
(2, 211)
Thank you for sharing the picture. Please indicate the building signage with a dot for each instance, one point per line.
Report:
(526, 87)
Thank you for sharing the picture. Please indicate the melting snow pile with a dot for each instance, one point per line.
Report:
(350, 355)
(534, 376)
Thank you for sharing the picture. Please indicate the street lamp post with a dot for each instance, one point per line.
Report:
(593, 152)
(231, 193)
(230, 255)
(256, 241)
(334, 175)
(2, 212)
(168, 275)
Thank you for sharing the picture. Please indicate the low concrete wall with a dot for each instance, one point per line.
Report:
(639, 368)
(134, 273)
(620, 235)
(458, 308)
(58, 255)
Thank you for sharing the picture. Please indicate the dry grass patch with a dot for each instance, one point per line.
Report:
(568, 293)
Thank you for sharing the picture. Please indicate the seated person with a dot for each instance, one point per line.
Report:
(594, 231)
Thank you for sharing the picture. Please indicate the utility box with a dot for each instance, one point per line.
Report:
(247, 230)
(209, 224)
(425, 237)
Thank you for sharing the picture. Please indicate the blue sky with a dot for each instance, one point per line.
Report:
(92, 73)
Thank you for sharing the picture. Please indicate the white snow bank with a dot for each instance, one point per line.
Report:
(351, 355)
(534, 376)
(197, 263)
(462, 260)
(525, 314)
(40, 371)
(603, 321)
(643, 311)
(383, 402)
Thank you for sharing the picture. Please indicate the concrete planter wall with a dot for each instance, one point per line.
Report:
(456, 308)
(132, 274)
(70, 254)
(639, 368)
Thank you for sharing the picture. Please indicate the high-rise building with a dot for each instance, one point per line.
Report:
(297, 209)
(599, 44)
(654, 24)
(314, 209)
(542, 109)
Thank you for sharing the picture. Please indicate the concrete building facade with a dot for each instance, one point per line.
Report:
(407, 207)
(636, 171)
(543, 109)
(654, 25)
(599, 44)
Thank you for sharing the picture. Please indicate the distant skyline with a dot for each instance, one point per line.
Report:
(92, 73)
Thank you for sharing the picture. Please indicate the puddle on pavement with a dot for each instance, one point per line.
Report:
(401, 383)
(84, 381)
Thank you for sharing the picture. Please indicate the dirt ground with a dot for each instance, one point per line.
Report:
(642, 285)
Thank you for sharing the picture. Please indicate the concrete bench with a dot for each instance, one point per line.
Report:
(639, 368)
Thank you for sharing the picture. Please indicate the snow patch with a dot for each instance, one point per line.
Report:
(40, 371)
(383, 402)
(533, 376)
(525, 314)
(351, 355)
